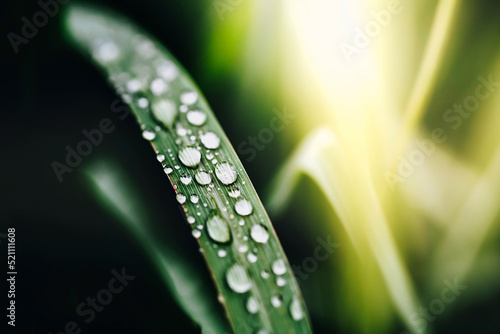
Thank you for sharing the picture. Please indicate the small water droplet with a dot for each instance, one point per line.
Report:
(279, 267)
(243, 207)
(190, 156)
(203, 178)
(196, 233)
(181, 198)
(259, 234)
(196, 117)
(243, 248)
(148, 134)
(209, 155)
(186, 178)
(143, 102)
(158, 86)
(233, 192)
(160, 157)
(237, 279)
(194, 198)
(168, 170)
(191, 219)
(264, 274)
(280, 281)
(252, 305)
(296, 309)
(181, 131)
(276, 301)
(183, 108)
(226, 173)
(252, 257)
(210, 140)
(241, 222)
(221, 253)
(218, 230)
(189, 98)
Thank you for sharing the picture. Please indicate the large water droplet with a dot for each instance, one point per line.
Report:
(210, 140)
(226, 173)
(296, 309)
(276, 301)
(186, 178)
(196, 117)
(237, 279)
(218, 230)
(243, 207)
(189, 98)
(181, 198)
(259, 234)
(252, 305)
(148, 134)
(203, 178)
(279, 267)
(164, 111)
(167, 70)
(158, 86)
(190, 156)
(194, 198)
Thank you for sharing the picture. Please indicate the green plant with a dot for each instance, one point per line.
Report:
(255, 282)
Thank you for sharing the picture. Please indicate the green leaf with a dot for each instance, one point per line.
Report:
(255, 282)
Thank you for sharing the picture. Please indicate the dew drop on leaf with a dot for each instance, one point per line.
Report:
(189, 156)
(181, 198)
(189, 98)
(218, 230)
(186, 178)
(196, 117)
(203, 178)
(226, 173)
(279, 267)
(210, 140)
(259, 234)
(243, 207)
(148, 134)
(296, 310)
(252, 305)
(237, 279)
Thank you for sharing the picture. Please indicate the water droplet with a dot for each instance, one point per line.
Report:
(221, 253)
(259, 234)
(181, 198)
(164, 111)
(276, 301)
(243, 248)
(280, 281)
(252, 257)
(191, 219)
(233, 192)
(189, 98)
(196, 117)
(186, 178)
(264, 274)
(196, 233)
(168, 170)
(203, 178)
(190, 156)
(279, 267)
(252, 305)
(226, 173)
(107, 52)
(241, 222)
(183, 108)
(158, 86)
(134, 86)
(243, 207)
(237, 279)
(181, 131)
(209, 155)
(210, 140)
(148, 134)
(143, 102)
(296, 309)
(160, 157)
(218, 230)
(167, 70)
(194, 198)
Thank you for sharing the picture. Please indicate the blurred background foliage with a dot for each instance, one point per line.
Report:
(250, 57)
